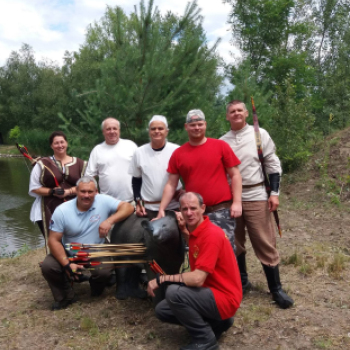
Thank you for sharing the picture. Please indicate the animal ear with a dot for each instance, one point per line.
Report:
(146, 225)
(172, 214)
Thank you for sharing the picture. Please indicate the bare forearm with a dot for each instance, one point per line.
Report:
(124, 210)
(236, 187)
(57, 250)
(191, 279)
(168, 194)
(47, 191)
(43, 191)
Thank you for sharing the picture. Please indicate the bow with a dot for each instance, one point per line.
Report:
(24, 151)
(261, 158)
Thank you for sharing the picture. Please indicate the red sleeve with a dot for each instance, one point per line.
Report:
(229, 158)
(172, 166)
(208, 254)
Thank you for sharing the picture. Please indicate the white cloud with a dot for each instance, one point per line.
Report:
(52, 27)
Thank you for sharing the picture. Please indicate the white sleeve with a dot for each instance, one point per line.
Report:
(34, 181)
(134, 168)
(271, 161)
(91, 169)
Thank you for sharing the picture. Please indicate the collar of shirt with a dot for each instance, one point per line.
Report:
(78, 212)
(201, 227)
(237, 132)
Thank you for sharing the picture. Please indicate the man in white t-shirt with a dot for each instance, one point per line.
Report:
(148, 169)
(110, 161)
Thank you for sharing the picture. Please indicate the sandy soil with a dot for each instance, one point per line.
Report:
(315, 252)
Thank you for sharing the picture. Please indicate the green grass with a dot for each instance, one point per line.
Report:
(336, 267)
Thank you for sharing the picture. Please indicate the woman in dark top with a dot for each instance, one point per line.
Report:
(53, 180)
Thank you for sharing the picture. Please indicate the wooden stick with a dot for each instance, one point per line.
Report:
(102, 255)
(105, 246)
(122, 262)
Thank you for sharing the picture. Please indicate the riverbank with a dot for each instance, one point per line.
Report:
(315, 252)
(9, 151)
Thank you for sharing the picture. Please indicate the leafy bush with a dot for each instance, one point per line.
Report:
(15, 133)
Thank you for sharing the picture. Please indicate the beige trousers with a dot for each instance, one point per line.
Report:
(258, 220)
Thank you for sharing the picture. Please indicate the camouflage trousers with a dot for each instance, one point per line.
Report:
(223, 219)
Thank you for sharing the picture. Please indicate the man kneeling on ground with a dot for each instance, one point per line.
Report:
(85, 219)
(205, 299)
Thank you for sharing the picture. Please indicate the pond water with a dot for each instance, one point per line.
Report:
(15, 227)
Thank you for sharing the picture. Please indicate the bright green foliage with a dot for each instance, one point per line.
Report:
(145, 64)
(14, 133)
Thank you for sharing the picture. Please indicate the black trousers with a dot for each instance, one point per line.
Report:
(59, 283)
(193, 308)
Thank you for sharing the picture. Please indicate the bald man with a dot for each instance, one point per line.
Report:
(110, 161)
(205, 299)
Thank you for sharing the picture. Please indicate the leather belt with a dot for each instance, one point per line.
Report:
(155, 202)
(215, 207)
(255, 185)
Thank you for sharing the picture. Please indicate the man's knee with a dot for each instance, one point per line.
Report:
(172, 293)
(160, 310)
(103, 274)
(182, 294)
(50, 265)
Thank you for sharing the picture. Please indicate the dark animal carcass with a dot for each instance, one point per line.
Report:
(164, 244)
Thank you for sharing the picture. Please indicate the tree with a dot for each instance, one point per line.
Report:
(276, 37)
(145, 64)
(17, 86)
(31, 94)
(278, 68)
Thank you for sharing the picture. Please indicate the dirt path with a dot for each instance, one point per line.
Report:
(315, 251)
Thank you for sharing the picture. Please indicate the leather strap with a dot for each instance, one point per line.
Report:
(255, 185)
(216, 207)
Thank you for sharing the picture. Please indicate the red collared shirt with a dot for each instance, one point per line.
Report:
(211, 251)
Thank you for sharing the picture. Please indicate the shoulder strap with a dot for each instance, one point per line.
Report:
(261, 158)
(259, 147)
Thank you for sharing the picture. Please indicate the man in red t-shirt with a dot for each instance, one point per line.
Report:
(205, 299)
(203, 163)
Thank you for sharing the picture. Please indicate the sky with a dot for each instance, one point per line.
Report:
(51, 27)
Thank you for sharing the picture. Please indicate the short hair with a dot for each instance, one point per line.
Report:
(158, 118)
(199, 197)
(87, 179)
(235, 102)
(57, 133)
(103, 123)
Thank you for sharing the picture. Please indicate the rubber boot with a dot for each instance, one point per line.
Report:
(278, 294)
(134, 282)
(128, 283)
(246, 285)
(96, 288)
(121, 292)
